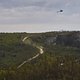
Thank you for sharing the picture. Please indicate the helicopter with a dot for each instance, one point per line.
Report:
(60, 11)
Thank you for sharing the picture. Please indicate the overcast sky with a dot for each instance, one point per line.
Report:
(39, 15)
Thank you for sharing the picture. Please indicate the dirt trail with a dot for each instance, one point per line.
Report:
(41, 51)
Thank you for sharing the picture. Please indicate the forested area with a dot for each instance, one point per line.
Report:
(13, 51)
(60, 61)
(46, 67)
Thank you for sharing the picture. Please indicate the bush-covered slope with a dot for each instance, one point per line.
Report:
(60, 61)
(13, 50)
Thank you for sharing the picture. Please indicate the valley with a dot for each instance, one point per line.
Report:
(40, 56)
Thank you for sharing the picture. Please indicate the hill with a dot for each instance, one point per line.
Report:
(40, 56)
(13, 50)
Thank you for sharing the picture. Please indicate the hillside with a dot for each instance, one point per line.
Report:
(13, 50)
(40, 56)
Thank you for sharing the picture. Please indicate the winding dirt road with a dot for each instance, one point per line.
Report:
(41, 51)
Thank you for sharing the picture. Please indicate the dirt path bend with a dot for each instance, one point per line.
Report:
(41, 51)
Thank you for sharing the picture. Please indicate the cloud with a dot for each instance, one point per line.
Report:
(39, 12)
(21, 3)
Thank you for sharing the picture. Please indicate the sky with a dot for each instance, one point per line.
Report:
(39, 15)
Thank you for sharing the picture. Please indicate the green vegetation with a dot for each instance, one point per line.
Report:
(46, 67)
(60, 61)
(13, 51)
